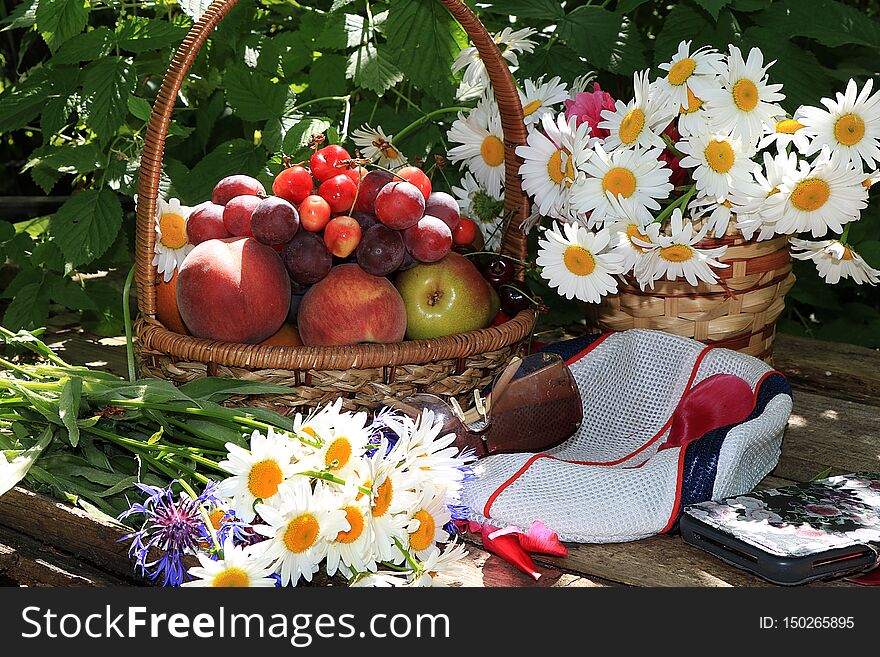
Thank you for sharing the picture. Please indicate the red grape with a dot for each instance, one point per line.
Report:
(465, 232)
(381, 251)
(306, 258)
(237, 215)
(417, 177)
(429, 240)
(314, 213)
(323, 162)
(293, 184)
(238, 185)
(339, 192)
(445, 207)
(206, 223)
(370, 186)
(274, 221)
(342, 235)
(400, 205)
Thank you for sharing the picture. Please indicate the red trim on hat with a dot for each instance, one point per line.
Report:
(595, 343)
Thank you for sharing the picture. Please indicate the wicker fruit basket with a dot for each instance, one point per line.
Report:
(739, 312)
(364, 375)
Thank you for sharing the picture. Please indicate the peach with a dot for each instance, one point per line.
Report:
(350, 306)
(234, 290)
(166, 305)
(286, 336)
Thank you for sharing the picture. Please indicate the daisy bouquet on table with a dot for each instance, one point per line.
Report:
(647, 189)
(368, 501)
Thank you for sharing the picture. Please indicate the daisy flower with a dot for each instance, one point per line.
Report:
(752, 213)
(317, 426)
(299, 530)
(239, 568)
(745, 101)
(688, 74)
(721, 162)
(511, 43)
(819, 197)
(440, 565)
(785, 133)
(539, 97)
(376, 145)
(676, 256)
(639, 123)
(427, 520)
(172, 245)
(380, 579)
(574, 261)
(260, 474)
(479, 205)
(716, 214)
(351, 549)
(850, 125)
(551, 158)
(693, 118)
(342, 448)
(835, 260)
(625, 223)
(481, 144)
(629, 173)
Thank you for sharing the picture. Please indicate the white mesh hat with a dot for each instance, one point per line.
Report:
(613, 481)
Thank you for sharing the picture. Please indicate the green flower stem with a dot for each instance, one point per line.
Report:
(400, 136)
(416, 566)
(190, 410)
(157, 447)
(845, 234)
(679, 202)
(202, 436)
(320, 100)
(205, 517)
(326, 476)
(671, 146)
(15, 368)
(126, 317)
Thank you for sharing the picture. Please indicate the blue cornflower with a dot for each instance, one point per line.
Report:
(173, 527)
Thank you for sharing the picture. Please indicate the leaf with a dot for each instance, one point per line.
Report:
(424, 40)
(70, 158)
(829, 22)
(713, 6)
(369, 68)
(683, 23)
(235, 156)
(327, 75)
(84, 47)
(751, 5)
(253, 96)
(54, 117)
(217, 389)
(298, 137)
(15, 469)
(107, 86)
(86, 225)
(58, 20)
(870, 251)
(626, 6)
(607, 40)
(107, 319)
(24, 15)
(194, 8)
(549, 9)
(23, 102)
(69, 293)
(139, 34)
(156, 437)
(28, 309)
(68, 407)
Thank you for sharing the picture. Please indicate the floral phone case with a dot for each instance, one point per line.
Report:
(795, 534)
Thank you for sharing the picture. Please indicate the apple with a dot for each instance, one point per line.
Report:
(446, 297)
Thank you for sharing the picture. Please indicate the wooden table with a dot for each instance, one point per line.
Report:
(835, 425)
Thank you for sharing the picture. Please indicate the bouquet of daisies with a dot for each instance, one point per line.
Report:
(703, 151)
(369, 501)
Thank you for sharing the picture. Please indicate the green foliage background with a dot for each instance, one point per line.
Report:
(79, 77)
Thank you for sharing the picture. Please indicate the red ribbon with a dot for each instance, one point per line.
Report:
(514, 545)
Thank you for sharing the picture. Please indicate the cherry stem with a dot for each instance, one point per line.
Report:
(524, 263)
(534, 300)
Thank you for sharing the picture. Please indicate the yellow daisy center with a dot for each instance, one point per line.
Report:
(745, 95)
(423, 537)
(492, 151)
(811, 194)
(681, 71)
(264, 479)
(532, 107)
(867, 183)
(719, 156)
(311, 433)
(301, 533)
(693, 105)
(231, 578)
(216, 518)
(388, 151)
(356, 522)
(847, 253)
(384, 494)
(338, 451)
(620, 182)
(631, 126)
(788, 126)
(559, 174)
(173, 229)
(632, 231)
(677, 253)
(849, 129)
(579, 261)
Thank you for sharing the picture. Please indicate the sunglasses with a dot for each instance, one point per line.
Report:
(532, 406)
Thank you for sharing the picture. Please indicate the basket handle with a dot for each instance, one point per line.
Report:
(516, 207)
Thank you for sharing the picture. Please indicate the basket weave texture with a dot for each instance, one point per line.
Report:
(739, 312)
(365, 375)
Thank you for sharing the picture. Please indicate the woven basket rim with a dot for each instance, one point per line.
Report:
(154, 336)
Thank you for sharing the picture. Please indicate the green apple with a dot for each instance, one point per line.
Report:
(446, 297)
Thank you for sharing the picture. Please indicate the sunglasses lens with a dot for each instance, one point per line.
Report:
(416, 404)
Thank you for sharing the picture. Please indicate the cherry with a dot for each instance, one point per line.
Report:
(465, 232)
(339, 192)
(417, 177)
(515, 297)
(293, 184)
(314, 213)
(497, 270)
(323, 162)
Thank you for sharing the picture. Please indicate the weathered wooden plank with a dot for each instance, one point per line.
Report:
(834, 369)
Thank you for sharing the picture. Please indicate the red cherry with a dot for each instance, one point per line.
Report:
(355, 174)
(339, 192)
(417, 177)
(323, 163)
(314, 213)
(465, 232)
(293, 184)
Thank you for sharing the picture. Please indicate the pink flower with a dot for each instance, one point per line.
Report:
(679, 175)
(821, 510)
(587, 108)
